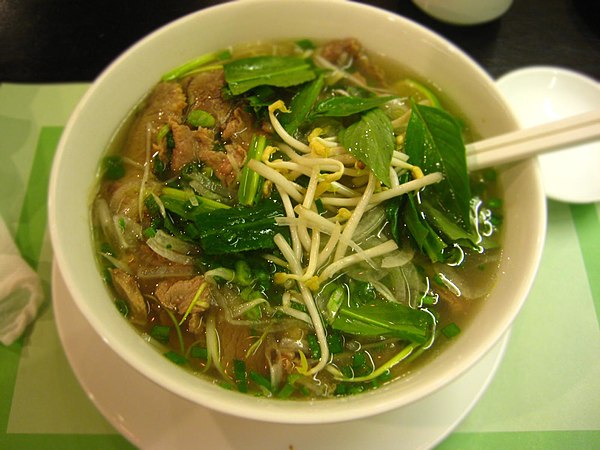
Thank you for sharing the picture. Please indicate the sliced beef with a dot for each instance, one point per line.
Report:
(165, 103)
(128, 290)
(204, 91)
(239, 127)
(227, 165)
(346, 51)
(178, 295)
(234, 343)
(189, 144)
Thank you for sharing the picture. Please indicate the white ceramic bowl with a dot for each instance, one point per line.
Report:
(125, 82)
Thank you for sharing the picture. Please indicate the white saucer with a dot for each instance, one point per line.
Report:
(152, 418)
(544, 94)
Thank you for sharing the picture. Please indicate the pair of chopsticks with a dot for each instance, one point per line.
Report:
(522, 144)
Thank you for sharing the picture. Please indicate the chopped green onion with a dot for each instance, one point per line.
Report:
(243, 273)
(176, 358)
(260, 380)
(122, 307)
(313, 346)
(286, 391)
(495, 203)
(305, 44)
(240, 375)
(250, 181)
(163, 132)
(335, 342)
(158, 166)
(199, 352)
(106, 249)
(161, 333)
(451, 330)
(200, 118)
(113, 167)
(149, 232)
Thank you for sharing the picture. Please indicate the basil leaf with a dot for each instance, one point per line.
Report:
(428, 241)
(301, 105)
(371, 140)
(281, 71)
(343, 106)
(239, 228)
(385, 319)
(434, 143)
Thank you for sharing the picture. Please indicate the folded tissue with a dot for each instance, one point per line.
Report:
(21, 291)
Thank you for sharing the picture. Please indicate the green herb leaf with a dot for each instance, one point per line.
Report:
(428, 241)
(343, 106)
(301, 105)
(371, 140)
(434, 143)
(281, 71)
(240, 228)
(385, 319)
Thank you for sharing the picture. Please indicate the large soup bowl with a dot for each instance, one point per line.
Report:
(427, 55)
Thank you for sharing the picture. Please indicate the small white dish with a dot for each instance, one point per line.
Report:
(152, 417)
(543, 94)
(464, 12)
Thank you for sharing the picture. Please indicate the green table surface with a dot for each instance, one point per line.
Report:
(546, 393)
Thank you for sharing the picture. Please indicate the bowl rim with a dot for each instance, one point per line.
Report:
(263, 409)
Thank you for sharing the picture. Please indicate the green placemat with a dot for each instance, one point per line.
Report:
(545, 395)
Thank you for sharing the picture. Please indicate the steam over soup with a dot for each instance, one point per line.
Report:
(295, 220)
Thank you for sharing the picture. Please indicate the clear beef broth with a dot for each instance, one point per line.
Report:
(231, 303)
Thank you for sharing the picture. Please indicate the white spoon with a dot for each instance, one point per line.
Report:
(544, 94)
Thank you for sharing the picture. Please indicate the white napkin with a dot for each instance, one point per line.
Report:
(20, 290)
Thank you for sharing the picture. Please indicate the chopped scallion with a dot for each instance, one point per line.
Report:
(451, 330)
(200, 118)
(113, 167)
(161, 333)
(176, 358)
(199, 352)
(260, 380)
(240, 375)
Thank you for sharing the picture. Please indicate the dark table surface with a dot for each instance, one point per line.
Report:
(64, 41)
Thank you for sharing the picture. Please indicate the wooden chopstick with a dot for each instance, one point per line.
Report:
(529, 142)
